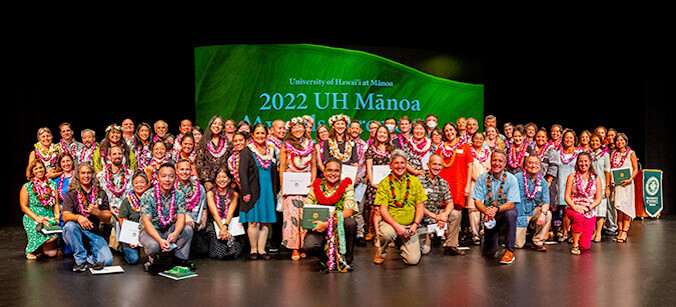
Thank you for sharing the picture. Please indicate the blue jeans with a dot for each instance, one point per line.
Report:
(98, 251)
(131, 255)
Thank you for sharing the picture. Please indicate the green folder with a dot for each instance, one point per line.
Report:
(620, 174)
(314, 213)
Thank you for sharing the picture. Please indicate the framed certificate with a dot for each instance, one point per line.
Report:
(296, 183)
(620, 174)
(380, 172)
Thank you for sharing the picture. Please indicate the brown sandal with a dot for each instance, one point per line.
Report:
(575, 250)
(622, 240)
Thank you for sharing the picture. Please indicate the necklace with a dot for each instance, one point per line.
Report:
(309, 146)
(516, 160)
(408, 188)
(587, 191)
(421, 148)
(530, 195)
(222, 208)
(480, 156)
(158, 207)
(62, 180)
(220, 148)
(379, 153)
(338, 197)
(618, 158)
(69, 148)
(43, 192)
(86, 154)
(49, 157)
(448, 152)
(598, 154)
(81, 201)
(263, 159)
(490, 192)
(335, 152)
(192, 192)
(572, 157)
(275, 141)
(108, 175)
(134, 201)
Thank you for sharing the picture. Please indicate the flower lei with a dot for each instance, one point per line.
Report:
(335, 236)
(296, 121)
(481, 158)
(530, 195)
(275, 141)
(595, 156)
(394, 196)
(516, 160)
(158, 207)
(49, 157)
(615, 162)
(338, 117)
(69, 148)
(86, 154)
(490, 192)
(541, 151)
(378, 152)
(448, 152)
(114, 127)
(222, 209)
(62, 179)
(108, 175)
(134, 201)
(566, 161)
(219, 150)
(81, 200)
(422, 148)
(338, 197)
(335, 152)
(310, 147)
(587, 191)
(192, 195)
(264, 160)
(233, 164)
(43, 192)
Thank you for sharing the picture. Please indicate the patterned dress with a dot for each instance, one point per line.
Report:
(35, 238)
(624, 195)
(292, 230)
(370, 194)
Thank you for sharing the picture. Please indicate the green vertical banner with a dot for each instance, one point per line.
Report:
(652, 192)
(261, 83)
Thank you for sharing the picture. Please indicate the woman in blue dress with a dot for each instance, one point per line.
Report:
(566, 166)
(260, 184)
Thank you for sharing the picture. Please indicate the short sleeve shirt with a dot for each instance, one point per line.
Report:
(510, 191)
(149, 206)
(405, 214)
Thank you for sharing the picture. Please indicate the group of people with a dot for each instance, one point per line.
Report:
(415, 182)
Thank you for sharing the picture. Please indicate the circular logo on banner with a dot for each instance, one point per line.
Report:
(652, 186)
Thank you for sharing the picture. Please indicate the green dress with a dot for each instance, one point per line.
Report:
(35, 238)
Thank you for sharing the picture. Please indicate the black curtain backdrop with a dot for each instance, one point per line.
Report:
(92, 83)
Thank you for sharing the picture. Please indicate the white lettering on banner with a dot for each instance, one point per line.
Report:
(336, 101)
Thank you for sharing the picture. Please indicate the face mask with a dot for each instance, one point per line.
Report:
(390, 128)
(432, 124)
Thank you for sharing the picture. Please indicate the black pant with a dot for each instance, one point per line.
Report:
(315, 241)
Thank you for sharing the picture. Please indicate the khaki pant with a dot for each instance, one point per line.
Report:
(541, 231)
(453, 228)
(409, 246)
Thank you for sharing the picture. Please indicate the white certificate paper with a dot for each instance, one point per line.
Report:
(235, 228)
(380, 172)
(296, 183)
(129, 232)
(348, 171)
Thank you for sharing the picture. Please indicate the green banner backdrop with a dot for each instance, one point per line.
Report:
(261, 83)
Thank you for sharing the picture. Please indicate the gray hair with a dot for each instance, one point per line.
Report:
(88, 130)
(397, 153)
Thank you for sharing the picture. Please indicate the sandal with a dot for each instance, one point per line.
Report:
(294, 255)
(575, 250)
(618, 240)
(30, 256)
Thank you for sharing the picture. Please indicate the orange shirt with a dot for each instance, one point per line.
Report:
(456, 173)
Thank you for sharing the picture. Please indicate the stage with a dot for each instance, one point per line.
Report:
(636, 273)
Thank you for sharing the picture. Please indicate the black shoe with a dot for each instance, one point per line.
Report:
(264, 256)
(361, 242)
(80, 267)
(454, 251)
(147, 266)
(98, 266)
(253, 256)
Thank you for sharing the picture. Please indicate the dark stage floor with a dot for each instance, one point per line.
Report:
(640, 272)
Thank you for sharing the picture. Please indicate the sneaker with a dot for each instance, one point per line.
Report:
(507, 258)
(361, 242)
(98, 266)
(80, 267)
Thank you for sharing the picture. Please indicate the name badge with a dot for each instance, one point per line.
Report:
(429, 191)
(459, 151)
(539, 189)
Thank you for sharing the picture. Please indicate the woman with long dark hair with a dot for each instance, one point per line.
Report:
(211, 152)
(583, 194)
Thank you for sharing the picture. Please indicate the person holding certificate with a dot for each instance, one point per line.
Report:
(130, 212)
(222, 201)
(624, 158)
(39, 202)
(377, 159)
(297, 156)
(402, 206)
(583, 194)
(331, 239)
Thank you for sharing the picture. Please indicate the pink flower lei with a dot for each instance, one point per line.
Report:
(275, 142)
(219, 150)
(378, 152)
(615, 162)
(81, 201)
(263, 159)
(585, 192)
(530, 195)
(69, 148)
(514, 160)
(86, 154)
(158, 207)
(134, 201)
(448, 152)
(308, 150)
(233, 164)
(192, 198)
(481, 158)
(43, 192)
(108, 175)
(566, 161)
(49, 157)
(421, 148)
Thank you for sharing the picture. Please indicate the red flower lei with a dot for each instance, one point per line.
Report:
(394, 196)
(317, 187)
